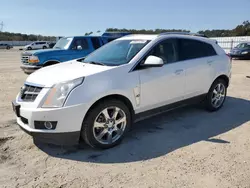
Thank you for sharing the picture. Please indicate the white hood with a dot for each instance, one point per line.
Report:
(53, 74)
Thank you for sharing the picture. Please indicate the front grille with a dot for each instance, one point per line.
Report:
(25, 59)
(29, 93)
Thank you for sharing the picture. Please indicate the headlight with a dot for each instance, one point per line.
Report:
(33, 59)
(59, 93)
(244, 52)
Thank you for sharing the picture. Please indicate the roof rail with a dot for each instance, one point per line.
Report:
(184, 33)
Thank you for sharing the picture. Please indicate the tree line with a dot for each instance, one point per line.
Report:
(240, 30)
(7, 36)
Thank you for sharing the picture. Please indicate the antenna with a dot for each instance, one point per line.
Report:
(1, 26)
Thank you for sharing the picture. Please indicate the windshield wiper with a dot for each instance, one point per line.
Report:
(96, 63)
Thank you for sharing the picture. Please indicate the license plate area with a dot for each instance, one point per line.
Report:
(16, 108)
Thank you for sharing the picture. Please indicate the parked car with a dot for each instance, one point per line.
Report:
(5, 46)
(242, 51)
(66, 49)
(98, 97)
(37, 45)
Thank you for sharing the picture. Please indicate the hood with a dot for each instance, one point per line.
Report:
(38, 52)
(48, 76)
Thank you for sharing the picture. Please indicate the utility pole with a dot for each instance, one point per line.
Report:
(1, 26)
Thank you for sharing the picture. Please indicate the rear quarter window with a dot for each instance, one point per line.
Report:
(192, 49)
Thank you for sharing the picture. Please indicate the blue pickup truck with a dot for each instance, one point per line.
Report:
(67, 48)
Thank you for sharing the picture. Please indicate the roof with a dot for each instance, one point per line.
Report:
(154, 36)
(139, 37)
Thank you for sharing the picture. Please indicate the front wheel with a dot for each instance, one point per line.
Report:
(44, 47)
(216, 95)
(106, 124)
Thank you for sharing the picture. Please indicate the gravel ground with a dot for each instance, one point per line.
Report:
(185, 148)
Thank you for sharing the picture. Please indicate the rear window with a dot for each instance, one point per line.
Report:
(191, 49)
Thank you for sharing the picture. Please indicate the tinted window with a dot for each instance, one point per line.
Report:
(96, 43)
(165, 50)
(80, 42)
(191, 49)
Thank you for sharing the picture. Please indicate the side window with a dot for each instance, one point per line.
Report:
(82, 43)
(191, 49)
(96, 42)
(165, 50)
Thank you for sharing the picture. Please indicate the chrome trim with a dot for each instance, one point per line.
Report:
(33, 84)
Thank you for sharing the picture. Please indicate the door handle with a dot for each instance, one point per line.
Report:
(210, 62)
(179, 71)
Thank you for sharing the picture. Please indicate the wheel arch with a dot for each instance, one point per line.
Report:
(51, 62)
(223, 77)
(119, 97)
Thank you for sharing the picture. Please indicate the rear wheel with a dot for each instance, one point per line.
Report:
(216, 95)
(106, 124)
(7, 47)
(44, 47)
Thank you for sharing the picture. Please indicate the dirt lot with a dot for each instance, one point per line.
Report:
(185, 148)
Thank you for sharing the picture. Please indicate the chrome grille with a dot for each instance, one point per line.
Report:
(25, 59)
(29, 93)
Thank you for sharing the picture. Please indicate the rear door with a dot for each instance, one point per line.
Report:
(199, 58)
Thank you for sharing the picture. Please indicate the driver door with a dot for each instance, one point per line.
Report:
(163, 85)
(79, 48)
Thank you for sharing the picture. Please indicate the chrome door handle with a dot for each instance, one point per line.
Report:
(179, 71)
(210, 62)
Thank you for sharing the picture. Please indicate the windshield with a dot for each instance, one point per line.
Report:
(116, 53)
(63, 43)
(242, 45)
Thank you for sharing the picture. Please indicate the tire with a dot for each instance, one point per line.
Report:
(7, 47)
(29, 48)
(216, 96)
(91, 130)
(44, 47)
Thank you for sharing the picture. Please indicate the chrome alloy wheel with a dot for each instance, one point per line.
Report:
(109, 125)
(218, 95)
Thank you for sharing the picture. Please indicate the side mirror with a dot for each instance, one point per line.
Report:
(153, 61)
(79, 48)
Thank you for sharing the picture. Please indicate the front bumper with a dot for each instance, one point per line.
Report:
(68, 127)
(65, 139)
(240, 55)
(30, 68)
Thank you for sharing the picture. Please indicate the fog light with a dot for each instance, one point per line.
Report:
(45, 125)
(48, 125)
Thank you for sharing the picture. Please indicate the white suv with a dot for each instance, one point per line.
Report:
(37, 45)
(99, 97)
